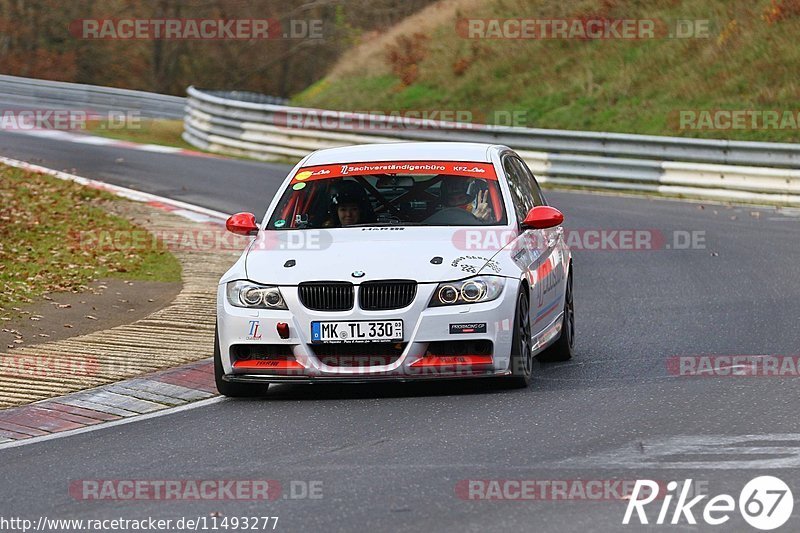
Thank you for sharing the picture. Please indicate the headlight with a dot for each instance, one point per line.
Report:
(468, 291)
(249, 294)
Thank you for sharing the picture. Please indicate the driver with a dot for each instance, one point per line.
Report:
(454, 192)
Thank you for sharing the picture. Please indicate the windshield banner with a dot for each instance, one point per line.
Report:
(454, 168)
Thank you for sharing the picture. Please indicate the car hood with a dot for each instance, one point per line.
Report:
(342, 254)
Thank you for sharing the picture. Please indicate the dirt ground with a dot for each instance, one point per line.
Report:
(107, 303)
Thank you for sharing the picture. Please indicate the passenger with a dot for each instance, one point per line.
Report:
(453, 192)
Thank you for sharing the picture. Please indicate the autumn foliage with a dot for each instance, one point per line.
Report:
(781, 10)
(405, 56)
(36, 41)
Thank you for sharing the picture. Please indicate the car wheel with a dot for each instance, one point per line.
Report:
(521, 358)
(563, 348)
(233, 390)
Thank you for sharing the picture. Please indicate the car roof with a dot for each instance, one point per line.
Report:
(404, 151)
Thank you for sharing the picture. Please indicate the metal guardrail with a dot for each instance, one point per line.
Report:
(246, 96)
(701, 168)
(261, 127)
(35, 93)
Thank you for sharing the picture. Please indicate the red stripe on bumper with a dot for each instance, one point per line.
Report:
(453, 360)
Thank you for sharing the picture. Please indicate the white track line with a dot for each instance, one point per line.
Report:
(114, 423)
(85, 138)
(131, 194)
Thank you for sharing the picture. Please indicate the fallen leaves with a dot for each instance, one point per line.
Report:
(44, 224)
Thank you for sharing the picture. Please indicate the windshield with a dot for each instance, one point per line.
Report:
(424, 193)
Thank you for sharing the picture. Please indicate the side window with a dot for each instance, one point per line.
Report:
(515, 184)
(529, 183)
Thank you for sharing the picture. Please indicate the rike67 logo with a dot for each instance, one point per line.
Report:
(765, 503)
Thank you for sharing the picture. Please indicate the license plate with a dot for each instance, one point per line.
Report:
(359, 331)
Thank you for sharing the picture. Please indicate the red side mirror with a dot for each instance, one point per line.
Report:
(242, 224)
(542, 217)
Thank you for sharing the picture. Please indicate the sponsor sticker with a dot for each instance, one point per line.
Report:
(254, 332)
(472, 327)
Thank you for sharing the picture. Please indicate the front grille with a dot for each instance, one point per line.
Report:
(359, 354)
(326, 295)
(384, 295)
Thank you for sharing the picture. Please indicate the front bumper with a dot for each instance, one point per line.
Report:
(251, 328)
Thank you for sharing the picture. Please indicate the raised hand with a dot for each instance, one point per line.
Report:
(482, 209)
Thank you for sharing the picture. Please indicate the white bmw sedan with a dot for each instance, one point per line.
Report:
(401, 262)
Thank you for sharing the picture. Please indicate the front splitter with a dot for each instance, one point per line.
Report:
(274, 378)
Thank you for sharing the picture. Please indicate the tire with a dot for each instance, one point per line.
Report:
(233, 390)
(521, 362)
(564, 348)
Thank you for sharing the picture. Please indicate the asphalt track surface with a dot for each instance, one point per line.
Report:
(390, 457)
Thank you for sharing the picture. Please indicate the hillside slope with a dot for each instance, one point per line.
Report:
(748, 62)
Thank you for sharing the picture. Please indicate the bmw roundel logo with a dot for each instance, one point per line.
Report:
(358, 274)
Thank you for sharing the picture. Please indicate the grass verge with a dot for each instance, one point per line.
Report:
(165, 133)
(42, 220)
(740, 62)
(146, 131)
